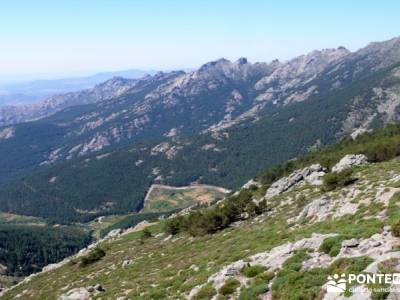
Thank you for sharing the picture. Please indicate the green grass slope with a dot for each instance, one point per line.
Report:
(169, 267)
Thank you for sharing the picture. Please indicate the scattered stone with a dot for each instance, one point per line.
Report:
(350, 243)
(232, 272)
(127, 263)
(376, 243)
(167, 238)
(194, 291)
(76, 294)
(194, 268)
(349, 161)
(95, 288)
(99, 288)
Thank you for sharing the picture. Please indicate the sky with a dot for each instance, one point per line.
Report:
(58, 38)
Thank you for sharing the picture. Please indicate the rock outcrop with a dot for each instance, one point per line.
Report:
(82, 293)
(349, 161)
(272, 260)
(7, 133)
(311, 175)
(76, 294)
(251, 183)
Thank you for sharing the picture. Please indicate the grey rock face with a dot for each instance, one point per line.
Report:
(319, 208)
(349, 161)
(7, 133)
(251, 183)
(312, 175)
(114, 233)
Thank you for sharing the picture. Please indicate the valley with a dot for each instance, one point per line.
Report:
(305, 232)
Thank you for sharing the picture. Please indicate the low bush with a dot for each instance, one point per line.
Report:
(146, 233)
(213, 219)
(95, 255)
(292, 283)
(252, 271)
(334, 180)
(332, 245)
(264, 278)
(396, 229)
(252, 292)
(353, 265)
(229, 286)
(205, 293)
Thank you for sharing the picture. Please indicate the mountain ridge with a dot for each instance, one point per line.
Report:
(180, 128)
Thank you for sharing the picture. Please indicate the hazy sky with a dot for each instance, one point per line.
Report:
(69, 37)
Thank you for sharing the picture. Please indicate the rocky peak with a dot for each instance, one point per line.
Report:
(382, 47)
(214, 64)
(315, 61)
(242, 61)
(301, 68)
(117, 80)
(377, 55)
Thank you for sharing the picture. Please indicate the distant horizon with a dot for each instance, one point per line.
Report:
(60, 76)
(44, 39)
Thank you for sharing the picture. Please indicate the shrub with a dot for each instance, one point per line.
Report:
(301, 201)
(334, 180)
(252, 292)
(396, 229)
(252, 271)
(350, 265)
(95, 255)
(264, 278)
(292, 283)
(173, 226)
(213, 219)
(205, 293)
(146, 233)
(332, 245)
(229, 286)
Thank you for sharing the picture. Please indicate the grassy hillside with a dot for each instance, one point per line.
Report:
(171, 267)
